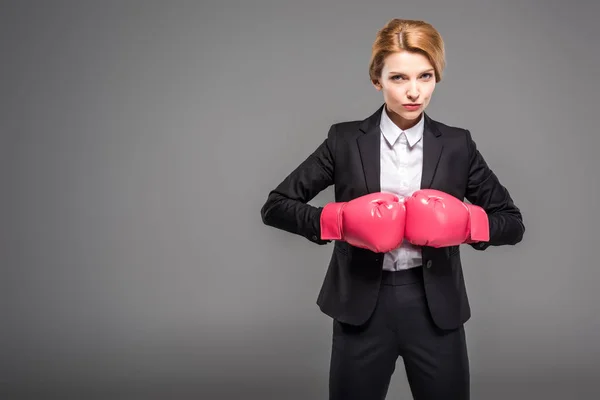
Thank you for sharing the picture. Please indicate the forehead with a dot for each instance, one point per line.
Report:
(406, 62)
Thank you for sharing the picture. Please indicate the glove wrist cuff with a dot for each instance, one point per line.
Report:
(331, 221)
(479, 226)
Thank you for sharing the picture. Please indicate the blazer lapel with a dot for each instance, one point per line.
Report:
(368, 146)
(432, 150)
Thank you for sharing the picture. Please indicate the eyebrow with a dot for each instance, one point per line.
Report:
(402, 73)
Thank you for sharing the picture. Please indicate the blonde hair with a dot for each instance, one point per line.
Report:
(407, 35)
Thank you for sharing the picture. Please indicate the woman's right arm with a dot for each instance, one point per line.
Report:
(286, 207)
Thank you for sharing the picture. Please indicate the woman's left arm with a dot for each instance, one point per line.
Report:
(485, 190)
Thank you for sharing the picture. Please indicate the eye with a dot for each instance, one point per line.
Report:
(396, 76)
(427, 75)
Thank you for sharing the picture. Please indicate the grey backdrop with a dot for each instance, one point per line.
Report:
(140, 139)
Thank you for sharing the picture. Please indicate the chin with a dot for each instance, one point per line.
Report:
(410, 115)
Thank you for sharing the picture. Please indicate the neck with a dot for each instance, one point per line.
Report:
(401, 122)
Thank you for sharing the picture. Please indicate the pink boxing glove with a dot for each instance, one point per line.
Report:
(374, 222)
(437, 219)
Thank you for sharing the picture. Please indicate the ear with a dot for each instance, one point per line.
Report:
(377, 85)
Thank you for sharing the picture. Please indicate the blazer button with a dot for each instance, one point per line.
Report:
(314, 237)
(429, 263)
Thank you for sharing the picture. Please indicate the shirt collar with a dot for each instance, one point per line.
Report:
(391, 132)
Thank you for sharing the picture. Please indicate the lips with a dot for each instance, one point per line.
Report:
(411, 106)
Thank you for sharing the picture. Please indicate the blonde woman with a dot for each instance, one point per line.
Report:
(398, 292)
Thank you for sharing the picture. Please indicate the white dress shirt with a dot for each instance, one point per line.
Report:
(401, 168)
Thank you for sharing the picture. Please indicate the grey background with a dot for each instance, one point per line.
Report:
(140, 139)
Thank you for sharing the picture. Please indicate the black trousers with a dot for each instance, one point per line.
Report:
(363, 358)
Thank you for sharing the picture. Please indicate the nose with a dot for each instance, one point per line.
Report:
(412, 92)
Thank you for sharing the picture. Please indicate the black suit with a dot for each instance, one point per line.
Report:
(349, 159)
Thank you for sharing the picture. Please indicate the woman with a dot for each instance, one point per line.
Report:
(391, 295)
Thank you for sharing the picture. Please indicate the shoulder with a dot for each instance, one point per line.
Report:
(455, 137)
(449, 130)
(350, 129)
(343, 132)
(346, 128)
(454, 134)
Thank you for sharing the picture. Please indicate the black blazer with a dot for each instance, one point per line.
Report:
(349, 160)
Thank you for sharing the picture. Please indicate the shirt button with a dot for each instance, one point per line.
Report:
(429, 263)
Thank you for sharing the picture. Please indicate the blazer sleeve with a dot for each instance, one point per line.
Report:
(286, 206)
(485, 190)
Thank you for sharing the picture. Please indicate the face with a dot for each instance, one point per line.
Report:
(407, 82)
